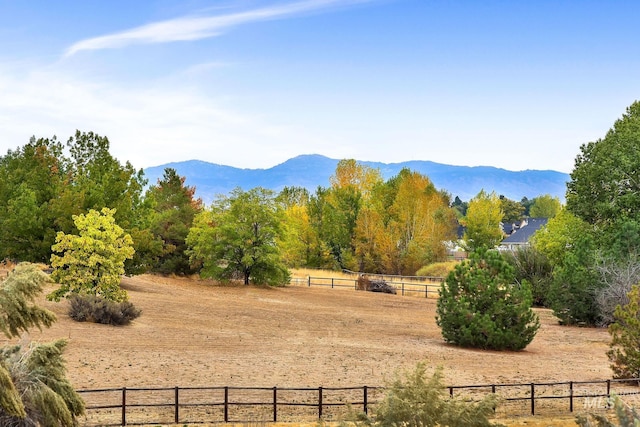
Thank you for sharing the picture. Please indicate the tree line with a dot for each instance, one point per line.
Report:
(359, 222)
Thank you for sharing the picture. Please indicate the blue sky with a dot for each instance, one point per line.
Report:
(248, 83)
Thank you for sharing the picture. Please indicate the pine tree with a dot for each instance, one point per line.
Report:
(480, 307)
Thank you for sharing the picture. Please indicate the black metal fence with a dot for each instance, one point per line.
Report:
(198, 405)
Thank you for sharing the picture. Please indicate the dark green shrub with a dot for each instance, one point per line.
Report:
(624, 353)
(534, 267)
(91, 308)
(574, 289)
(481, 307)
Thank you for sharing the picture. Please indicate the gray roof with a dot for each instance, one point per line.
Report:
(524, 233)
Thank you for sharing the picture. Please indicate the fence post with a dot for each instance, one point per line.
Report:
(426, 291)
(332, 283)
(364, 400)
(275, 404)
(493, 390)
(570, 396)
(450, 391)
(124, 406)
(608, 389)
(319, 402)
(533, 399)
(177, 405)
(226, 404)
(402, 288)
(309, 281)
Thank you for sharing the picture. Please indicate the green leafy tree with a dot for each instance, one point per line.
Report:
(238, 237)
(605, 182)
(92, 262)
(561, 234)
(513, 212)
(481, 307)
(34, 389)
(460, 207)
(174, 208)
(545, 206)
(415, 400)
(624, 352)
(482, 221)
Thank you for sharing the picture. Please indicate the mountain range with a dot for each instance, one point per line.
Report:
(313, 170)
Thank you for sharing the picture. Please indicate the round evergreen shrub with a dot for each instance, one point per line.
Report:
(481, 307)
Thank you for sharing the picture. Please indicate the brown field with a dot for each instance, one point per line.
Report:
(195, 333)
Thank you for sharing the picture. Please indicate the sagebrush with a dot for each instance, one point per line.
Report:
(91, 308)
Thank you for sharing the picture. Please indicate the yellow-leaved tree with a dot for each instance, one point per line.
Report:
(92, 262)
(482, 221)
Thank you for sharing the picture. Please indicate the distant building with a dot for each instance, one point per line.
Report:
(518, 236)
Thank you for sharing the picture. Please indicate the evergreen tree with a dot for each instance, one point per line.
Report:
(624, 353)
(34, 389)
(480, 306)
(174, 208)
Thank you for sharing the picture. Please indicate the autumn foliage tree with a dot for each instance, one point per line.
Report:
(419, 222)
(482, 221)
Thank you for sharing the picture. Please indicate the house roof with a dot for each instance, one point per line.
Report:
(524, 233)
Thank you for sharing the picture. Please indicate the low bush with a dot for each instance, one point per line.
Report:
(417, 400)
(91, 308)
(437, 269)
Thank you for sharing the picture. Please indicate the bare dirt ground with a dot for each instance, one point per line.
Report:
(195, 333)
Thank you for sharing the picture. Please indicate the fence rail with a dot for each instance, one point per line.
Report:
(429, 289)
(198, 405)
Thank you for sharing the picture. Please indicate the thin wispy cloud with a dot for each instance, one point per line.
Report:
(199, 27)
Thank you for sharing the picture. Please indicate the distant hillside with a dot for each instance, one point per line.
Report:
(311, 171)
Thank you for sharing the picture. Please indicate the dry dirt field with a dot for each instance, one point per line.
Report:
(195, 333)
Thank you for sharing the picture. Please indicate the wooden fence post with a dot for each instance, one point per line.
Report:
(275, 404)
(493, 390)
(319, 402)
(226, 404)
(570, 396)
(365, 398)
(124, 406)
(176, 411)
(533, 399)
